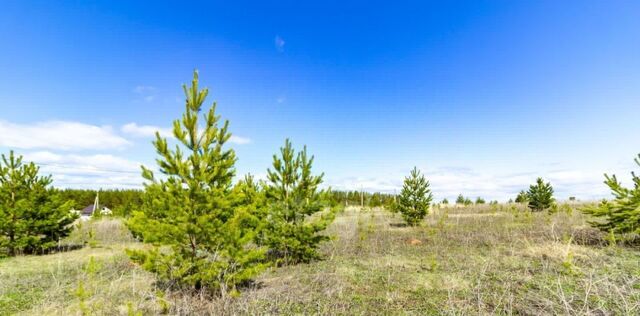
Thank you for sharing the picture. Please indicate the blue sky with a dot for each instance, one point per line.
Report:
(483, 96)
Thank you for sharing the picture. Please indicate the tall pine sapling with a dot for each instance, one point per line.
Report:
(199, 238)
(33, 217)
(540, 196)
(622, 214)
(460, 199)
(292, 231)
(415, 198)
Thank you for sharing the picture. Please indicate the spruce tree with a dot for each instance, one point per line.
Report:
(33, 217)
(199, 238)
(540, 196)
(622, 214)
(415, 198)
(292, 232)
(460, 199)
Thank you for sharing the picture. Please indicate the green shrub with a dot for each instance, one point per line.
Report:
(199, 238)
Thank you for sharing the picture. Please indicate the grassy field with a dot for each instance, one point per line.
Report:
(473, 260)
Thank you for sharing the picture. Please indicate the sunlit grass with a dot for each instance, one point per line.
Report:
(473, 260)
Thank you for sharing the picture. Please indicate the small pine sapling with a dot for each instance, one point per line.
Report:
(415, 198)
(540, 196)
(622, 214)
(522, 197)
(292, 231)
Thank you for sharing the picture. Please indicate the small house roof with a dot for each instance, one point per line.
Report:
(88, 210)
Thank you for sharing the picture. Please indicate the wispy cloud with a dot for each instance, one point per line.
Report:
(450, 181)
(239, 140)
(136, 130)
(59, 135)
(279, 43)
(147, 93)
(281, 99)
(369, 184)
(88, 171)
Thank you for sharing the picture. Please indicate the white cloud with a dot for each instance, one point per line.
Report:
(239, 140)
(144, 89)
(88, 171)
(147, 93)
(136, 130)
(449, 182)
(279, 43)
(60, 135)
(281, 99)
(369, 184)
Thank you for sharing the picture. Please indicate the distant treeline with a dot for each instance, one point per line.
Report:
(121, 202)
(357, 198)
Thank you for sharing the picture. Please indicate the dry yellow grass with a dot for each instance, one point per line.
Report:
(474, 260)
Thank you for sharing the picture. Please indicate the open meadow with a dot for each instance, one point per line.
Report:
(486, 259)
(320, 158)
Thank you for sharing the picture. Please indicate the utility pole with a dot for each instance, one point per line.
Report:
(96, 204)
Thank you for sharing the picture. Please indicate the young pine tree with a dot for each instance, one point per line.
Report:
(375, 200)
(480, 200)
(291, 233)
(32, 215)
(249, 196)
(460, 199)
(415, 198)
(522, 197)
(540, 196)
(622, 214)
(199, 238)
